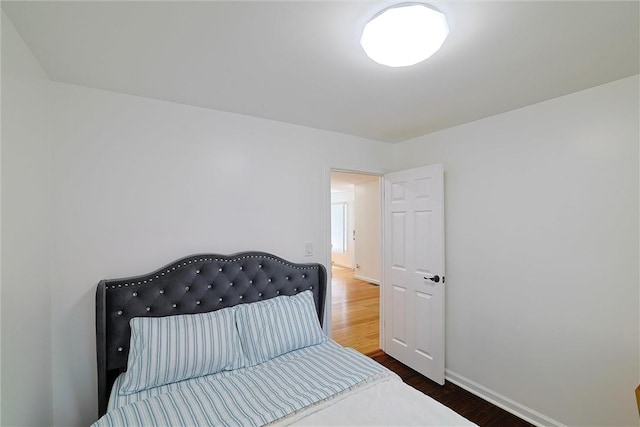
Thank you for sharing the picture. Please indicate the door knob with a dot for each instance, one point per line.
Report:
(435, 278)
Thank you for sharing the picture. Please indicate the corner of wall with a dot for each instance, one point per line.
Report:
(25, 227)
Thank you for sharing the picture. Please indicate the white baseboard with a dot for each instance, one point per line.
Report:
(501, 401)
(366, 279)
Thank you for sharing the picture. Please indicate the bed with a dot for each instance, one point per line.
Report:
(236, 340)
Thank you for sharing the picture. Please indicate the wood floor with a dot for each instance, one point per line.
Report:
(355, 309)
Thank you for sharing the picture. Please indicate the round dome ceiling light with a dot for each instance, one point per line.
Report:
(404, 34)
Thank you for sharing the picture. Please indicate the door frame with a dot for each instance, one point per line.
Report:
(326, 220)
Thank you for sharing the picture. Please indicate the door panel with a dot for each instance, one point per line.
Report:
(424, 309)
(399, 333)
(397, 241)
(422, 221)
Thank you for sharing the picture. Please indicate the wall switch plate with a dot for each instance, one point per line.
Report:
(308, 249)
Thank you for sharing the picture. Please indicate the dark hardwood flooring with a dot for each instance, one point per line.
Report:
(460, 400)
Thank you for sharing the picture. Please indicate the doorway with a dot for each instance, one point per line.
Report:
(356, 254)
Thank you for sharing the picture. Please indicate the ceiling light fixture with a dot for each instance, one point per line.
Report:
(404, 34)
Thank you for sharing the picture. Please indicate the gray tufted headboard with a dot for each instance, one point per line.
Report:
(194, 284)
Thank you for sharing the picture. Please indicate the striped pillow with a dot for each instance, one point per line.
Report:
(165, 350)
(277, 326)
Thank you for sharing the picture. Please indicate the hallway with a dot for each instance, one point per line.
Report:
(355, 310)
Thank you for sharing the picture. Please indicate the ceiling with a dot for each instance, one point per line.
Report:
(300, 61)
(346, 181)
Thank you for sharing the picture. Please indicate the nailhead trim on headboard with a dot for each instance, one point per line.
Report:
(184, 264)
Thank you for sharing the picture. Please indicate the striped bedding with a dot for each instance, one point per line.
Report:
(252, 396)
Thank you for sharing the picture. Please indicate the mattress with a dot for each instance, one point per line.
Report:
(324, 384)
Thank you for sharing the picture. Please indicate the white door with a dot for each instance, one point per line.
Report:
(413, 289)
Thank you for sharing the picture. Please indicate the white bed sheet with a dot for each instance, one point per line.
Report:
(385, 402)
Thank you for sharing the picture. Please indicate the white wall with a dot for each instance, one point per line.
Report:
(542, 252)
(26, 208)
(368, 230)
(138, 183)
